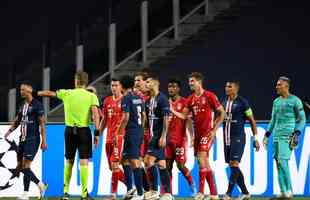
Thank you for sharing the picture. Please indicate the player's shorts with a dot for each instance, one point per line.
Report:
(202, 144)
(235, 150)
(132, 143)
(28, 149)
(176, 152)
(114, 155)
(146, 141)
(155, 150)
(281, 149)
(78, 139)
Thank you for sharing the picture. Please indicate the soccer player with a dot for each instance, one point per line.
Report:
(112, 116)
(158, 113)
(177, 139)
(287, 122)
(31, 118)
(79, 104)
(140, 90)
(202, 104)
(238, 111)
(133, 121)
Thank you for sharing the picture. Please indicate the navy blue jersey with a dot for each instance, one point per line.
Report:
(133, 105)
(28, 117)
(157, 108)
(237, 112)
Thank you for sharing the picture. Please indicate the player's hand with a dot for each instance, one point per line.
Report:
(256, 145)
(293, 141)
(43, 146)
(211, 135)
(96, 141)
(192, 142)
(162, 142)
(265, 142)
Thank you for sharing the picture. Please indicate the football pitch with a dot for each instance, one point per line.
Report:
(177, 198)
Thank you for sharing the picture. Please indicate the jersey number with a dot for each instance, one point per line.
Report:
(139, 111)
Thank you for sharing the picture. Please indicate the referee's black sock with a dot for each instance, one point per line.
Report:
(26, 181)
(31, 176)
(128, 176)
(165, 180)
(234, 173)
(240, 182)
(137, 173)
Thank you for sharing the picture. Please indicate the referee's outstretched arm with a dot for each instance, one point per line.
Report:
(46, 93)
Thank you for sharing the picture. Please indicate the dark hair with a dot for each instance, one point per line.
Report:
(26, 82)
(234, 81)
(81, 77)
(127, 82)
(286, 79)
(153, 76)
(175, 80)
(143, 74)
(197, 75)
(115, 79)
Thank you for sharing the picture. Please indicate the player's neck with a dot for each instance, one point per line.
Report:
(199, 91)
(176, 97)
(116, 96)
(285, 95)
(28, 99)
(232, 96)
(155, 92)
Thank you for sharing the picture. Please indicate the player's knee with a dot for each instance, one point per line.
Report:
(70, 161)
(234, 163)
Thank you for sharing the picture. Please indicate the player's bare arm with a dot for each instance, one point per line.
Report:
(95, 118)
(217, 122)
(14, 125)
(162, 140)
(143, 115)
(190, 131)
(102, 125)
(254, 131)
(43, 133)
(46, 93)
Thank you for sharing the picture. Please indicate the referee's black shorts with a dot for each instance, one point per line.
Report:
(78, 139)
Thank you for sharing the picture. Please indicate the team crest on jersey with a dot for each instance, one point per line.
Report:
(203, 100)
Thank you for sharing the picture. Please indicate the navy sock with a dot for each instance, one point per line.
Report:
(240, 182)
(234, 173)
(26, 181)
(128, 176)
(137, 172)
(154, 174)
(165, 180)
(146, 185)
(30, 174)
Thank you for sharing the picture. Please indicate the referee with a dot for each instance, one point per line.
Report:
(79, 104)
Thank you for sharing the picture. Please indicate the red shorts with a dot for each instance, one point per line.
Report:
(201, 143)
(145, 144)
(176, 152)
(114, 154)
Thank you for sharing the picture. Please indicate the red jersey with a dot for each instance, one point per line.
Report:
(143, 96)
(202, 108)
(112, 113)
(177, 126)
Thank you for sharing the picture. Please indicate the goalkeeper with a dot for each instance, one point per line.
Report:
(287, 122)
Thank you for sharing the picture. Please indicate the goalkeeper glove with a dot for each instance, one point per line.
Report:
(294, 139)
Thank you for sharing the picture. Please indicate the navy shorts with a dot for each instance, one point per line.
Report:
(28, 149)
(155, 150)
(234, 151)
(132, 142)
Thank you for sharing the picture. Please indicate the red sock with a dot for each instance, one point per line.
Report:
(114, 180)
(202, 178)
(187, 174)
(121, 176)
(210, 179)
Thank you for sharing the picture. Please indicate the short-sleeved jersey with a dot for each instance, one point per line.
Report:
(177, 126)
(112, 113)
(202, 108)
(157, 108)
(287, 116)
(133, 105)
(29, 119)
(237, 112)
(77, 106)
